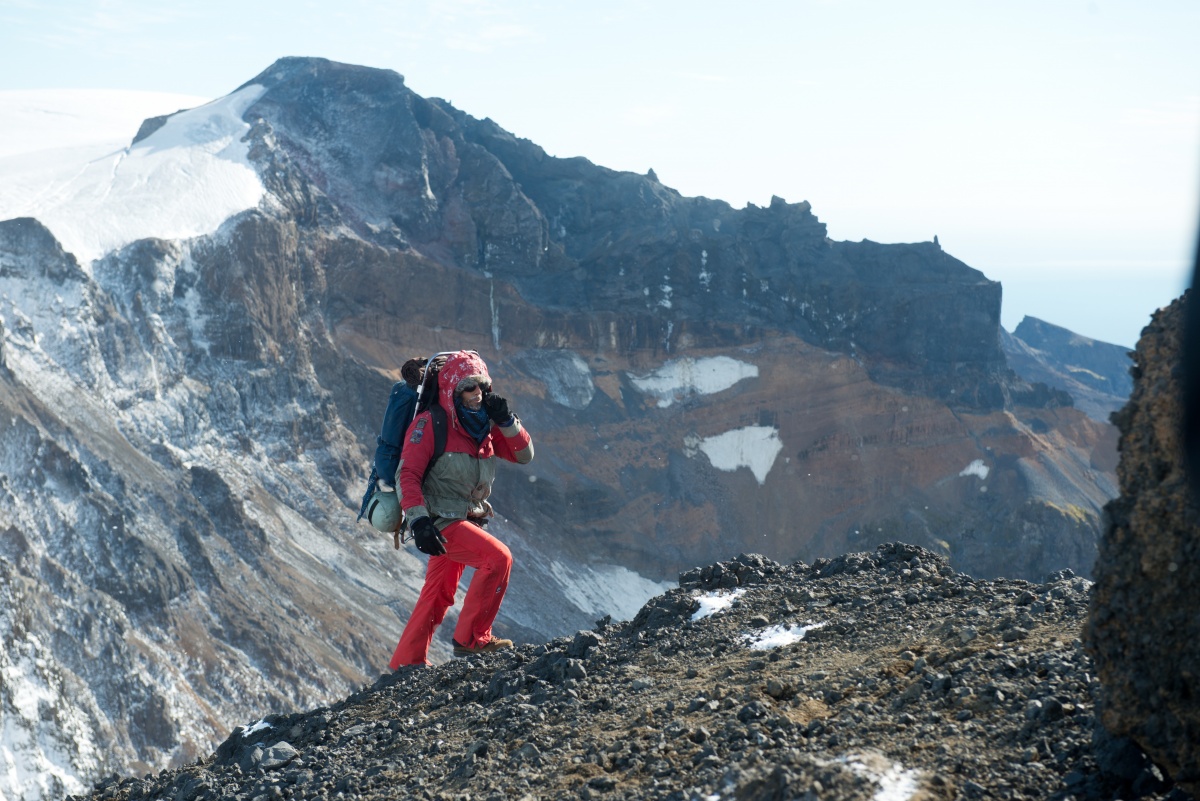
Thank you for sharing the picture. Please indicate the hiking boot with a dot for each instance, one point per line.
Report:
(494, 644)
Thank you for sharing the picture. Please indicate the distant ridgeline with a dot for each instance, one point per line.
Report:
(192, 398)
(1095, 374)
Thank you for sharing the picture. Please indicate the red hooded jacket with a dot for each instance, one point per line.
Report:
(460, 483)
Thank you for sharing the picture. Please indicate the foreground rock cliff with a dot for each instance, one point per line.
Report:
(1143, 627)
(872, 675)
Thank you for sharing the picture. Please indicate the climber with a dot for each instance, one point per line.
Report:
(449, 509)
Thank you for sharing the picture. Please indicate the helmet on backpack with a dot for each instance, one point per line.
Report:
(383, 511)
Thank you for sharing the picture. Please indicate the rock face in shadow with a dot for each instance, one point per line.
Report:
(1143, 628)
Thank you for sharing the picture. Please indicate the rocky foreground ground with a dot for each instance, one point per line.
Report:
(910, 681)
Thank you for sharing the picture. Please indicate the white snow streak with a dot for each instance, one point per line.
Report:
(680, 377)
(754, 447)
(606, 589)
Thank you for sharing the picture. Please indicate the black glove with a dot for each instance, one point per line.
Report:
(429, 540)
(497, 409)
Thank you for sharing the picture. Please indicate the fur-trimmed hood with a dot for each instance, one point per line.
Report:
(460, 365)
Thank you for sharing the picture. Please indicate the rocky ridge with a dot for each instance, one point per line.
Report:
(900, 679)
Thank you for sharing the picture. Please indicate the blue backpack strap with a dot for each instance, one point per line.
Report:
(438, 415)
(366, 501)
(401, 407)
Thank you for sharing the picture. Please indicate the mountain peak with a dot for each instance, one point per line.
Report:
(1094, 373)
(309, 68)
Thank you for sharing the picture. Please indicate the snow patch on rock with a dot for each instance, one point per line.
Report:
(755, 447)
(717, 601)
(976, 468)
(896, 783)
(569, 381)
(679, 378)
(779, 635)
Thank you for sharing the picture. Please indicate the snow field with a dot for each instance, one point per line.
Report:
(50, 119)
(182, 181)
(606, 589)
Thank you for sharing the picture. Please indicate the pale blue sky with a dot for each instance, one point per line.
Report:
(1053, 144)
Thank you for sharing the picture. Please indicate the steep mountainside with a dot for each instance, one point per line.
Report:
(1095, 374)
(176, 535)
(196, 359)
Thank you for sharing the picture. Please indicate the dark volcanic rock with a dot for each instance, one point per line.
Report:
(570, 235)
(1143, 627)
(641, 244)
(887, 675)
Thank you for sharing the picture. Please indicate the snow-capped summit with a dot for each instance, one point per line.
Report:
(57, 119)
(183, 180)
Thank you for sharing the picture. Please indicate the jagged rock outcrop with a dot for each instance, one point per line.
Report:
(405, 170)
(1142, 627)
(868, 676)
(1095, 374)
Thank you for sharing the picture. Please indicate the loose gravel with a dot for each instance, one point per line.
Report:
(881, 675)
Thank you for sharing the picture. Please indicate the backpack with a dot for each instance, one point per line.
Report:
(382, 509)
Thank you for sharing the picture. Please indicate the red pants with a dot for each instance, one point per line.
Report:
(466, 545)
